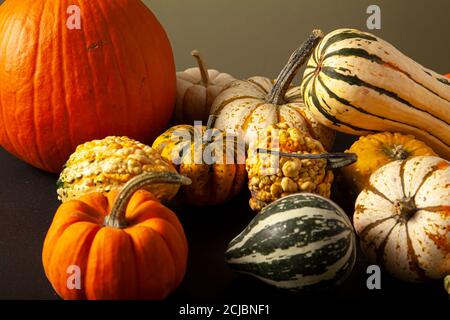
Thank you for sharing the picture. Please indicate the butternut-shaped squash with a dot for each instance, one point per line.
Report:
(357, 83)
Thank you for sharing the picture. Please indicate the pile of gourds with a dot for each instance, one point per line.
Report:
(128, 245)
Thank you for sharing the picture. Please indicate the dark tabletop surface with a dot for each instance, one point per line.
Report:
(28, 202)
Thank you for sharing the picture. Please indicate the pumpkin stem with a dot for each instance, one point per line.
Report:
(297, 59)
(406, 208)
(201, 65)
(116, 218)
(398, 152)
(334, 160)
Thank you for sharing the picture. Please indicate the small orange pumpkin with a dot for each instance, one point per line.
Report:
(376, 150)
(127, 245)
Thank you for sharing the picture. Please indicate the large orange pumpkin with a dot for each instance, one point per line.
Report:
(60, 87)
(124, 245)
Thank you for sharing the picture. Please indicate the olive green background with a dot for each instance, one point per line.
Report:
(255, 37)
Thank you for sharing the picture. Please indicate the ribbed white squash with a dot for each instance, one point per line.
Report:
(403, 218)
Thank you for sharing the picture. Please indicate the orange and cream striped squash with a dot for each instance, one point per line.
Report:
(243, 106)
(359, 84)
(213, 181)
(403, 218)
(248, 107)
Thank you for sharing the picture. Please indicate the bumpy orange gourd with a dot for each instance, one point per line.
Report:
(107, 164)
(376, 150)
(126, 245)
(268, 182)
(60, 87)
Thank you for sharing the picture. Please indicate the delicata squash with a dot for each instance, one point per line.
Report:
(359, 84)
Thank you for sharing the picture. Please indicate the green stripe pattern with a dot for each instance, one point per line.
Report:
(302, 241)
(360, 84)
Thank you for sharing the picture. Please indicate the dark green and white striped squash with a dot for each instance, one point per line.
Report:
(302, 241)
(357, 83)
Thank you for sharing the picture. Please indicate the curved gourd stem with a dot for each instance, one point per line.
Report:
(202, 67)
(116, 218)
(297, 59)
(334, 160)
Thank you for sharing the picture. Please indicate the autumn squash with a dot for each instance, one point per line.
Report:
(359, 84)
(61, 86)
(403, 219)
(378, 149)
(247, 107)
(299, 242)
(124, 245)
(215, 162)
(286, 160)
(196, 90)
(107, 164)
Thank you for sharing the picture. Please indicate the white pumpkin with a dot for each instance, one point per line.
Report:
(247, 107)
(196, 90)
(403, 218)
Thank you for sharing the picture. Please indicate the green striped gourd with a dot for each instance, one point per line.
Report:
(302, 241)
(357, 83)
(403, 218)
